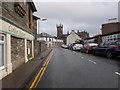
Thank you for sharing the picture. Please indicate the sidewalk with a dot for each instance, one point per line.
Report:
(19, 77)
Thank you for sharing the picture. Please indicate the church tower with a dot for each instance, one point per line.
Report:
(59, 31)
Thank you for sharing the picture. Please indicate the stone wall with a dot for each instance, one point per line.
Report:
(40, 46)
(43, 46)
(37, 48)
(17, 52)
(8, 11)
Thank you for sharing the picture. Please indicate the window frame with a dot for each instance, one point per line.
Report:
(4, 44)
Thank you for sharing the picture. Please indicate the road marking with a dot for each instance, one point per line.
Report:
(33, 83)
(117, 73)
(41, 72)
(41, 75)
(92, 61)
(82, 57)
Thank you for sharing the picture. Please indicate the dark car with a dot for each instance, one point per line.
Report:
(87, 47)
(111, 49)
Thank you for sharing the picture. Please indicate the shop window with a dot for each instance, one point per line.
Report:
(2, 51)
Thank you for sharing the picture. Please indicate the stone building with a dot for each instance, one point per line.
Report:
(50, 40)
(17, 34)
(62, 36)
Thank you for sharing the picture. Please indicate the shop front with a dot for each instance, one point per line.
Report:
(16, 46)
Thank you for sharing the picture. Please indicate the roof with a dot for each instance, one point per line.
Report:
(32, 5)
(35, 17)
(44, 35)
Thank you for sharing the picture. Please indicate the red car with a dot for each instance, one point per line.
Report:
(87, 47)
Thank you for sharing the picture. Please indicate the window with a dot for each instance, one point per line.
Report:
(101, 45)
(2, 51)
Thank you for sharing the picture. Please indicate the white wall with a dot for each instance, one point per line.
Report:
(50, 41)
(110, 38)
(72, 38)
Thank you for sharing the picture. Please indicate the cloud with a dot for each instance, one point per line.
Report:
(75, 15)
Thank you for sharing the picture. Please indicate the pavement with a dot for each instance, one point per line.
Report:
(22, 75)
(71, 69)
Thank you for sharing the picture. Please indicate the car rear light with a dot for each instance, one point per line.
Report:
(115, 47)
(90, 47)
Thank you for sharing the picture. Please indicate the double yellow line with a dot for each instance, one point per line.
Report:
(41, 72)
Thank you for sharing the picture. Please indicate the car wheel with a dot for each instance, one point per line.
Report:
(87, 51)
(109, 55)
(81, 51)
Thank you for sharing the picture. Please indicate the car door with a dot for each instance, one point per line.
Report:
(103, 48)
(97, 49)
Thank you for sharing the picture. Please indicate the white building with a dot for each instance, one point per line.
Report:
(111, 38)
(72, 37)
(50, 40)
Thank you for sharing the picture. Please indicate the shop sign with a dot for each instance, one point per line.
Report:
(15, 30)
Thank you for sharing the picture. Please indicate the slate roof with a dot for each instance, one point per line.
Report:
(44, 35)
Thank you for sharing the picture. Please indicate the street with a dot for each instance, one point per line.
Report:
(70, 69)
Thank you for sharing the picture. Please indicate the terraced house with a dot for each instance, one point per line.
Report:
(17, 34)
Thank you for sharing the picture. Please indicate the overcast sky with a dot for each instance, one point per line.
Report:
(81, 16)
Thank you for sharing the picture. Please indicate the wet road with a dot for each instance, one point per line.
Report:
(70, 69)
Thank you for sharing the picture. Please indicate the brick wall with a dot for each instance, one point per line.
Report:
(110, 28)
(17, 52)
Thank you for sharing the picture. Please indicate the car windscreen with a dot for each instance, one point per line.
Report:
(118, 43)
(93, 44)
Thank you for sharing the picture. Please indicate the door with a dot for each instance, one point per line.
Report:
(102, 48)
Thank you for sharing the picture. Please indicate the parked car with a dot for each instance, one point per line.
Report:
(87, 47)
(71, 46)
(111, 49)
(64, 46)
(77, 47)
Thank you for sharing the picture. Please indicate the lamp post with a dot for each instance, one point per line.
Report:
(44, 19)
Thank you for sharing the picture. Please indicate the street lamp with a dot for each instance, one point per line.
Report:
(44, 19)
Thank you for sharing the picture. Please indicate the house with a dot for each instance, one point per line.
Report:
(50, 40)
(17, 35)
(72, 37)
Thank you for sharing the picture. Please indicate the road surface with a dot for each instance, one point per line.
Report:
(70, 69)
